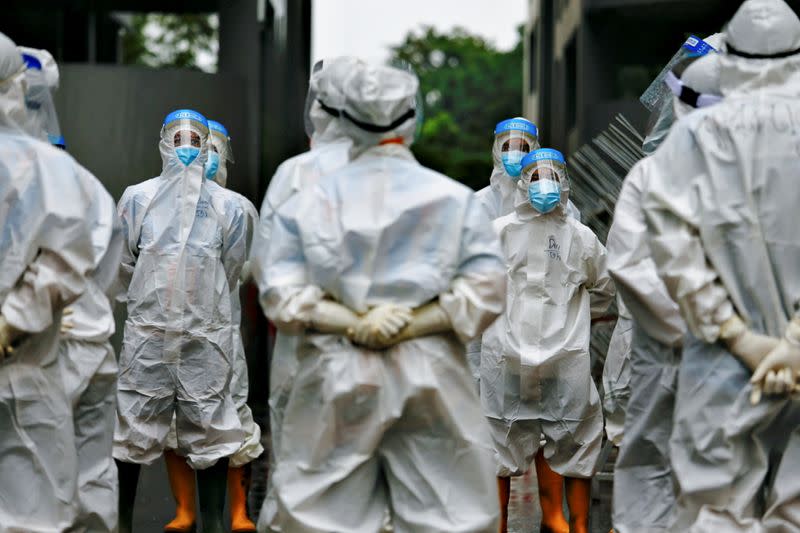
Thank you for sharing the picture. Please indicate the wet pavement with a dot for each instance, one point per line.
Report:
(155, 507)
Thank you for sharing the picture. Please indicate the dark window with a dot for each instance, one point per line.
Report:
(533, 61)
(571, 69)
(546, 62)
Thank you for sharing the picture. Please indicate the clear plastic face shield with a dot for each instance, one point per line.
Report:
(513, 140)
(219, 152)
(658, 92)
(545, 173)
(42, 117)
(662, 117)
(185, 132)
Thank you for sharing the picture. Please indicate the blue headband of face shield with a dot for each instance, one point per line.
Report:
(512, 159)
(187, 154)
(544, 194)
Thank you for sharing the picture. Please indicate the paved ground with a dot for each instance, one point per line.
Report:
(155, 507)
(524, 514)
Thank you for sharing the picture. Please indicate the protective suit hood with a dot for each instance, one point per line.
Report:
(702, 77)
(326, 85)
(763, 28)
(763, 45)
(379, 105)
(12, 86)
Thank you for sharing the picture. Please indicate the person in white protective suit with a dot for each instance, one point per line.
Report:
(46, 256)
(383, 410)
(181, 475)
(720, 206)
(644, 491)
(185, 244)
(535, 375)
(86, 363)
(514, 138)
(330, 150)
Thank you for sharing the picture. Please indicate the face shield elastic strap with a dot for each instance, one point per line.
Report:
(689, 96)
(366, 126)
(746, 55)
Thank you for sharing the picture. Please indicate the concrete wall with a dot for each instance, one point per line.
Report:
(111, 117)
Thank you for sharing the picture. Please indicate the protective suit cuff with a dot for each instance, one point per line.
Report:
(23, 316)
(792, 334)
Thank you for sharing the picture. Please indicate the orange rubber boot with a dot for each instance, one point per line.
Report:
(504, 489)
(181, 480)
(551, 497)
(238, 485)
(579, 499)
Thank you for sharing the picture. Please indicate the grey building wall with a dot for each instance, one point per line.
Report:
(587, 60)
(111, 117)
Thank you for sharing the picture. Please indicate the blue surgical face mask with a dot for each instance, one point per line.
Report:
(544, 195)
(512, 160)
(212, 165)
(187, 154)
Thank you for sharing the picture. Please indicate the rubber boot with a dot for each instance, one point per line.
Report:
(181, 481)
(551, 497)
(504, 489)
(579, 499)
(211, 484)
(238, 487)
(128, 481)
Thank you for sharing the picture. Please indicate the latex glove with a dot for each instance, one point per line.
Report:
(778, 372)
(246, 272)
(380, 324)
(331, 317)
(749, 347)
(66, 323)
(8, 334)
(430, 319)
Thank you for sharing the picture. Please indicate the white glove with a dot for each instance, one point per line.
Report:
(749, 347)
(778, 372)
(430, 319)
(332, 317)
(246, 272)
(8, 334)
(66, 324)
(379, 325)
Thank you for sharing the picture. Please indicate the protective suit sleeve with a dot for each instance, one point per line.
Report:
(599, 283)
(107, 237)
(235, 245)
(286, 295)
(64, 256)
(477, 294)
(130, 216)
(50, 283)
(251, 224)
(277, 193)
(632, 267)
(672, 209)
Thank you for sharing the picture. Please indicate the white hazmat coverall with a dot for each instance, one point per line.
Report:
(403, 426)
(46, 256)
(724, 233)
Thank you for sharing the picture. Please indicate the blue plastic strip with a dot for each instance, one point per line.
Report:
(517, 124)
(213, 125)
(186, 114)
(31, 62)
(543, 154)
(697, 47)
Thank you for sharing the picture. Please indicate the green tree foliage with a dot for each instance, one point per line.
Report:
(164, 40)
(467, 86)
